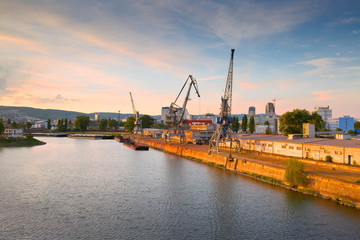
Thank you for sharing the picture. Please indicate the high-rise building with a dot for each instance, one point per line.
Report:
(251, 111)
(325, 113)
(270, 109)
(97, 116)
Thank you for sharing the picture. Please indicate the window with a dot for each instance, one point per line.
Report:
(270, 145)
(298, 148)
(291, 147)
(338, 152)
(283, 146)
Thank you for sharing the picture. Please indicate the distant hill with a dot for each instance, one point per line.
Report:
(21, 114)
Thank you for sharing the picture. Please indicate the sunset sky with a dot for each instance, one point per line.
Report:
(86, 55)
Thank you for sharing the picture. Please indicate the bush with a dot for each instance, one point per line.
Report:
(328, 158)
(294, 173)
(29, 135)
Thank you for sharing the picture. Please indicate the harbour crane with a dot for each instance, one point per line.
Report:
(137, 124)
(222, 135)
(175, 115)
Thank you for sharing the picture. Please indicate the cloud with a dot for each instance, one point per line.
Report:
(247, 86)
(323, 95)
(322, 64)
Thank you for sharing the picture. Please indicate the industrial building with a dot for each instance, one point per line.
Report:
(165, 110)
(341, 151)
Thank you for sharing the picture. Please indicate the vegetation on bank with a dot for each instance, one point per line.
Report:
(294, 173)
(20, 142)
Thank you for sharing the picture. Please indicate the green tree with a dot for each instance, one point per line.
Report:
(129, 124)
(48, 124)
(317, 120)
(2, 128)
(357, 125)
(102, 124)
(351, 132)
(113, 124)
(244, 124)
(235, 126)
(28, 125)
(14, 124)
(338, 130)
(9, 121)
(147, 121)
(252, 125)
(291, 122)
(294, 173)
(66, 125)
(82, 122)
(267, 123)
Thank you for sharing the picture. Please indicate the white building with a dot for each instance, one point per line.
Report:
(14, 133)
(325, 113)
(40, 124)
(165, 110)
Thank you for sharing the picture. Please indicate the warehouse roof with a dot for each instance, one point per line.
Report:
(315, 141)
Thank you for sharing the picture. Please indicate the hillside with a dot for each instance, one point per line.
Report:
(21, 114)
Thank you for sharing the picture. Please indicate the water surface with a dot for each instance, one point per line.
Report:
(100, 189)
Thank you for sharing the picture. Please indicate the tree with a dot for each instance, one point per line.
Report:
(244, 124)
(294, 173)
(129, 124)
(235, 126)
(267, 130)
(102, 124)
(291, 122)
(338, 130)
(66, 125)
(317, 120)
(357, 125)
(2, 128)
(82, 122)
(147, 121)
(267, 123)
(252, 125)
(351, 132)
(48, 124)
(28, 125)
(14, 124)
(113, 124)
(9, 121)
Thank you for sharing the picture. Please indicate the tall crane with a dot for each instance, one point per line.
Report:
(223, 132)
(137, 123)
(176, 118)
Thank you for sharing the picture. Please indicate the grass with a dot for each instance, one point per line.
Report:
(21, 142)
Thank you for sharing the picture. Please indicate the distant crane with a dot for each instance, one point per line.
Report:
(176, 118)
(137, 124)
(274, 100)
(223, 132)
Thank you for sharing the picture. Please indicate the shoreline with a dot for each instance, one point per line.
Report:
(339, 191)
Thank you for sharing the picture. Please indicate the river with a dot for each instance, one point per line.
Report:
(100, 189)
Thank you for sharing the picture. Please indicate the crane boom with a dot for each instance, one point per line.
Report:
(132, 102)
(137, 122)
(176, 119)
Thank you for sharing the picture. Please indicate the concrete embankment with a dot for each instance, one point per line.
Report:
(331, 188)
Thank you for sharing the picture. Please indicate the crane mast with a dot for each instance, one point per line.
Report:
(176, 119)
(223, 132)
(137, 123)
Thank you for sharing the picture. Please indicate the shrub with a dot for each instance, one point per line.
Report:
(29, 135)
(294, 173)
(328, 158)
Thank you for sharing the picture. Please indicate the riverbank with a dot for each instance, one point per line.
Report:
(323, 181)
(22, 142)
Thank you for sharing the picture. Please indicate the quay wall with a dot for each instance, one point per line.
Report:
(327, 187)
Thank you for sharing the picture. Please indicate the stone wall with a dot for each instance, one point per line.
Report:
(333, 188)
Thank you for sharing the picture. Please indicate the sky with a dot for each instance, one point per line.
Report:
(87, 55)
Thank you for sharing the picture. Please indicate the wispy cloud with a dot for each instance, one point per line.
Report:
(247, 86)
(211, 78)
(322, 65)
